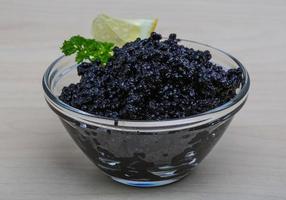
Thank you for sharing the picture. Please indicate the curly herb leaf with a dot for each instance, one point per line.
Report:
(88, 49)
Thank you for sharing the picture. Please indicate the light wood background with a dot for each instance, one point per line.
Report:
(38, 160)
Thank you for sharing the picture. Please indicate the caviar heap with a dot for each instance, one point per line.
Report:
(152, 79)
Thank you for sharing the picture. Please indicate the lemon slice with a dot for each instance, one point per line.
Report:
(120, 31)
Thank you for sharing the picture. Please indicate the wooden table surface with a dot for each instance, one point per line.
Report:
(38, 160)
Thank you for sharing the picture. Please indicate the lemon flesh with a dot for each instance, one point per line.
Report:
(121, 31)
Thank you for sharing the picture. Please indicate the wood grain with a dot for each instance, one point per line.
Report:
(38, 160)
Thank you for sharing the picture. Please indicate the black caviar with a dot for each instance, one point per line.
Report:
(152, 79)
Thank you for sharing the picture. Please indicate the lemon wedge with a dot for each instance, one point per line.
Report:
(120, 31)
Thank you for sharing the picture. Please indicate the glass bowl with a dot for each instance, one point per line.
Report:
(143, 153)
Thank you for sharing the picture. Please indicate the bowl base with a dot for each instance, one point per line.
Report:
(145, 184)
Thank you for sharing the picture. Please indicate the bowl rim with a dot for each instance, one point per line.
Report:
(89, 118)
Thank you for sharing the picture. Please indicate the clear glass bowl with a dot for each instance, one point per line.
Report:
(143, 153)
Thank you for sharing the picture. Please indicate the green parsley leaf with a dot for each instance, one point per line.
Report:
(88, 49)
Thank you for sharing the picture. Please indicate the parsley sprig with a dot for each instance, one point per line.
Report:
(87, 49)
